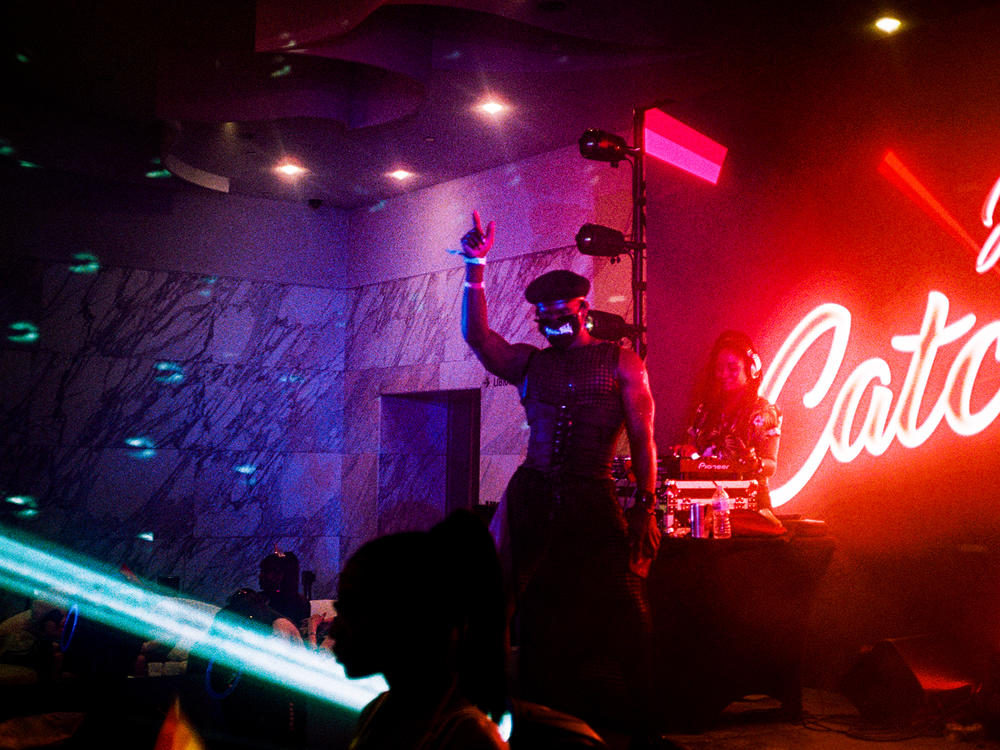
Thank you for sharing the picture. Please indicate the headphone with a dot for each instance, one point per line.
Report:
(740, 343)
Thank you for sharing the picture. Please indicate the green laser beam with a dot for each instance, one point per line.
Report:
(41, 571)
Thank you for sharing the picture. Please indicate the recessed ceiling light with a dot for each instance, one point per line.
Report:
(290, 169)
(492, 107)
(888, 24)
(400, 174)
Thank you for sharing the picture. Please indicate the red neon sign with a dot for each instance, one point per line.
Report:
(883, 422)
(675, 143)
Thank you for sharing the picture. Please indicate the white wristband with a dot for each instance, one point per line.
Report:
(474, 261)
(474, 285)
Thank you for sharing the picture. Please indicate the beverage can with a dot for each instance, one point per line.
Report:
(699, 529)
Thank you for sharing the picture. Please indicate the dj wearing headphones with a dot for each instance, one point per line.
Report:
(733, 421)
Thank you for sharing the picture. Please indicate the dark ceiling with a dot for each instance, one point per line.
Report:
(354, 89)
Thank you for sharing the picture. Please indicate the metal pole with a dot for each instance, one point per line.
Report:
(638, 233)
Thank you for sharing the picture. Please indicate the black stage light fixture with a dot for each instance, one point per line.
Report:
(595, 239)
(609, 327)
(601, 145)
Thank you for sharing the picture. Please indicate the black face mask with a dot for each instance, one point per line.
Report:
(562, 331)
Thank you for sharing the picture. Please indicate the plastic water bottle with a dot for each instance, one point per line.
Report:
(722, 528)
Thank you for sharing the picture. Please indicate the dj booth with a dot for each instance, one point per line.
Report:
(731, 618)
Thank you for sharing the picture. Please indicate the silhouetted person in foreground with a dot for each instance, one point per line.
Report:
(425, 609)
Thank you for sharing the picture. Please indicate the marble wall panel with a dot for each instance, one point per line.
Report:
(411, 492)
(105, 401)
(414, 425)
(15, 389)
(398, 323)
(359, 494)
(494, 473)
(310, 490)
(462, 375)
(504, 429)
(189, 317)
(362, 389)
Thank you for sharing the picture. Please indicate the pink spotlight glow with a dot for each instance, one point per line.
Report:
(674, 142)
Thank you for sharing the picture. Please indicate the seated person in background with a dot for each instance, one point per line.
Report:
(279, 582)
(426, 610)
(31, 639)
(222, 701)
(733, 422)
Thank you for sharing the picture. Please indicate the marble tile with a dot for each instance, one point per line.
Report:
(462, 375)
(414, 425)
(310, 488)
(359, 495)
(494, 474)
(320, 554)
(399, 323)
(106, 401)
(412, 379)
(361, 410)
(411, 492)
(15, 392)
(127, 312)
(211, 569)
(136, 313)
(504, 426)
(305, 330)
(362, 405)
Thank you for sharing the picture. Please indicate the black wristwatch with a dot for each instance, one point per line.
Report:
(644, 499)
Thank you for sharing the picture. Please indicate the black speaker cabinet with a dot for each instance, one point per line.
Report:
(900, 679)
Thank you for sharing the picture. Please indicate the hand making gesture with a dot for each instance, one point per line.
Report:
(476, 243)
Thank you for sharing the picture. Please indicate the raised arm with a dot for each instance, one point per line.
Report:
(638, 402)
(501, 358)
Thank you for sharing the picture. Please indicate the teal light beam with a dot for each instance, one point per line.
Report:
(34, 571)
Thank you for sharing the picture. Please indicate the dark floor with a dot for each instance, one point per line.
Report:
(829, 722)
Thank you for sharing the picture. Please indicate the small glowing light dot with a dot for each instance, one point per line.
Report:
(6, 149)
(281, 72)
(888, 24)
(28, 164)
(290, 169)
(22, 58)
(245, 469)
(25, 501)
(87, 263)
(144, 447)
(400, 174)
(158, 174)
(146, 536)
(25, 332)
(207, 282)
(169, 372)
(492, 107)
